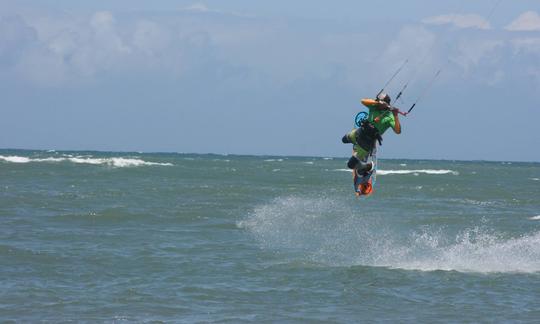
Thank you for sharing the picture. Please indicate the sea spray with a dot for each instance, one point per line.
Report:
(332, 233)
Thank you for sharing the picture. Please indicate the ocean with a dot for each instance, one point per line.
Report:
(139, 237)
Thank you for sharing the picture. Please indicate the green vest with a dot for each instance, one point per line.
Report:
(386, 119)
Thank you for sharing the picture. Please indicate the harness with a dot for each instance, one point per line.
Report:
(367, 135)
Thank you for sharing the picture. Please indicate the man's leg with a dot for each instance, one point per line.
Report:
(353, 162)
(363, 166)
(350, 137)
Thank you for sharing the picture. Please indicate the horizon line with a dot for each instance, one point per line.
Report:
(254, 155)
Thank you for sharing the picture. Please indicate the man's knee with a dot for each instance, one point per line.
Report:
(363, 167)
(352, 163)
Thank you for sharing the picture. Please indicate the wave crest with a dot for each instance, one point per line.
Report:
(428, 171)
(425, 171)
(114, 161)
(15, 159)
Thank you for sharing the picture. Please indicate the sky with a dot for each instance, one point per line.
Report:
(269, 77)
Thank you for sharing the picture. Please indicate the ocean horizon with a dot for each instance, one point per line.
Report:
(150, 152)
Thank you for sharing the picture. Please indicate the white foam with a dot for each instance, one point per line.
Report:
(535, 179)
(427, 171)
(50, 159)
(330, 232)
(415, 172)
(274, 160)
(86, 160)
(535, 218)
(114, 161)
(473, 250)
(15, 159)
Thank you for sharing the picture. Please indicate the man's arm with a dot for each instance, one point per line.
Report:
(381, 105)
(372, 103)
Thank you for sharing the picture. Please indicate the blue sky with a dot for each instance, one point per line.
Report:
(273, 77)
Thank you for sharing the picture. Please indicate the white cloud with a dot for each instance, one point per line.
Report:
(150, 37)
(411, 42)
(102, 21)
(528, 21)
(199, 7)
(459, 21)
(52, 51)
(528, 45)
(480, 59)
(80, 48)
(106, 35)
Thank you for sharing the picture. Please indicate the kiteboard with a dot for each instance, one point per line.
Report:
(363, 183)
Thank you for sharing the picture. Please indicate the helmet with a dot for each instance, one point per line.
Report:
(384, 97)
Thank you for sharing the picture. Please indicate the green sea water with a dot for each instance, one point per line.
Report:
(133, 237)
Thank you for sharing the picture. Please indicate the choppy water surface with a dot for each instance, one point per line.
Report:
(115, 237)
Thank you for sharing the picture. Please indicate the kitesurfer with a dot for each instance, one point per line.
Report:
(381, 117)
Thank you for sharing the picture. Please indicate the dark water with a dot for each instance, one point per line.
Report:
(115, 237)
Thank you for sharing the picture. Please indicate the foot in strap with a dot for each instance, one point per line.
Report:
(363, 168)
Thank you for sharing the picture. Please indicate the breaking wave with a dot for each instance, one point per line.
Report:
(114, 161)
(427, 171)
(330, 233)
(15, 159)
(383, 172)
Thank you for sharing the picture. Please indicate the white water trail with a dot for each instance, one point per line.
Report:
(330, 233)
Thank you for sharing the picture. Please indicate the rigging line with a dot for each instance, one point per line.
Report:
(426, 89)
(415, 73)
(425, 56)
(393, 76)
(493, 9)
(491, 13)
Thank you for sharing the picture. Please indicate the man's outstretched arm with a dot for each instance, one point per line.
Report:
(372, 103)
